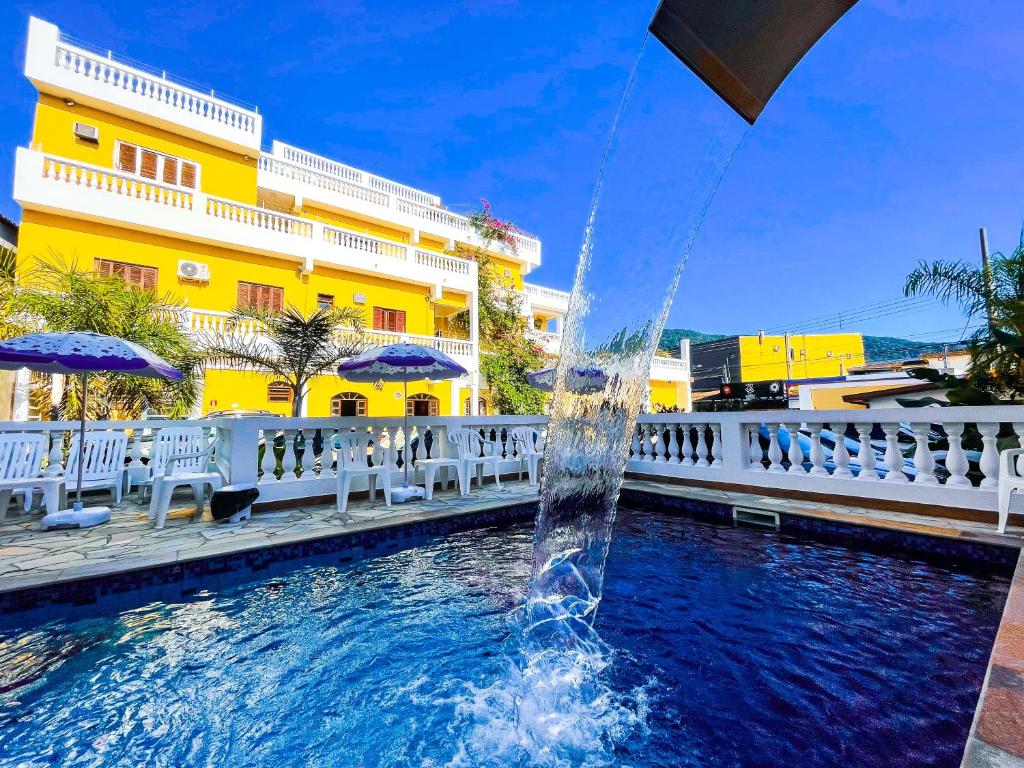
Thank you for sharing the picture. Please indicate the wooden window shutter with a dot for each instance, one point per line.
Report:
(149, 275)
(244, 290)
(378, 319)
(400, 321)
(170, 170)
(147, 167)
(188, 175)
(103, 267)
(434, 406)
(126, 157)
(276, 299)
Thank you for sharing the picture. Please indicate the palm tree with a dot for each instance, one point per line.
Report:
(997, 347)
(58, 296)
(290, 345)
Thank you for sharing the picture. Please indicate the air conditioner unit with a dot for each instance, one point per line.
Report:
(194, 270)
(87, 132)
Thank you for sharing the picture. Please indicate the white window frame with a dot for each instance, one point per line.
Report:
(160, 158)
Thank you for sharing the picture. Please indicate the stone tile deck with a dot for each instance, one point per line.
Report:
(31, 558)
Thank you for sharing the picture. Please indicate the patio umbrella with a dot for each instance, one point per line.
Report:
(581, 380)
(404, 363)
(83, 352)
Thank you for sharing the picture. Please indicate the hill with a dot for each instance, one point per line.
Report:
(878, 349)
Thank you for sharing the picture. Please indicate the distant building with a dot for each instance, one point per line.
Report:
(762, 357)
(8, 233)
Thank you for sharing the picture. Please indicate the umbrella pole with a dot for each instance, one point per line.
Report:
(81, 440)
(405, 428)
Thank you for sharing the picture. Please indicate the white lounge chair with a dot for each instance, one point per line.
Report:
(21, 461)
(354, 461)
(104, 462)
(1010, 480)
(180, 456)
(474, 454)
(529, 449)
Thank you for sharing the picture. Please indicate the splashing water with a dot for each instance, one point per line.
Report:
(668, 148)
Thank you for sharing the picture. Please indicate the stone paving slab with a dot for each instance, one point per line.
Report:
(30, 557)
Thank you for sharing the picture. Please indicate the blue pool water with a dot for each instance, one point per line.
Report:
(728, 647)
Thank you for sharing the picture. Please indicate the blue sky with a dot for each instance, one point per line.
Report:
(894, 140)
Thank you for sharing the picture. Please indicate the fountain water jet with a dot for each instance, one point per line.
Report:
(668, 149)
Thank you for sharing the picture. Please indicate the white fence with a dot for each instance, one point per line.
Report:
(934, 456)
(939, 456)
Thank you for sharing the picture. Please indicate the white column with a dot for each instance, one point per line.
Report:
(840, 455)
(924, 462)
(795, 453)
(866, 454)
(774, 449)
(989, 463)
(893, 457)
(817, 453)
(956, 459)
(22, 382)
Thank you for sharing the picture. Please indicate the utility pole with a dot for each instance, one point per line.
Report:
(945, 354)
(789, 360)
(986, 274)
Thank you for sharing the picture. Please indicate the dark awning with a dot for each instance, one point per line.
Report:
(744, 49)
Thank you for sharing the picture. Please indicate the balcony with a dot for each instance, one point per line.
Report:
(69, 70)
(305, 176)
(79, 190)
(547, 299)
(207, 322)
(670, 369)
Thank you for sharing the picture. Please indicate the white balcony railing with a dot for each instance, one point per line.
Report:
(57, 65)
(80, 190)
(547, 297)
(354, 188)
(891, 455)
(214, 322)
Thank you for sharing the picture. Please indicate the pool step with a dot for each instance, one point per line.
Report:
(757, 518)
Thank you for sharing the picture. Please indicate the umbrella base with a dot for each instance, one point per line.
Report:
(75, 518)
(407, 493)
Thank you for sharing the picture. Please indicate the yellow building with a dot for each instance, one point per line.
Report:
(763, 357)
(133, 174)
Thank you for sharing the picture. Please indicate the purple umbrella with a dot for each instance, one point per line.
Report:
(83, 352)
(404, 363)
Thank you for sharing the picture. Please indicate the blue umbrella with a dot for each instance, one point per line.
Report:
(404, 363)
(581, 379)
(83, 352)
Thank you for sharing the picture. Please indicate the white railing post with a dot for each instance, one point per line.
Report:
(893, 457)
(240, 439)
(924, 462)
(840, 455)
(956, 460)
(866, 453)
(989, 463)
(795, 454)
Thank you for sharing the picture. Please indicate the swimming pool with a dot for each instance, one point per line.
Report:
(729, 647)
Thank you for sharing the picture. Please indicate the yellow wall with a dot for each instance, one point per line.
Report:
(241, 389)
(831, 398)
(670, 394)
(222, 173)
(765, 359)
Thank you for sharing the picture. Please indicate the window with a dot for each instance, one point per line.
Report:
(279, 392)
(258, 296)
(133, 274)
(389, 319)
(481, 406)
(324, 301)
(348, 404)
(147, 164)
(422, 405)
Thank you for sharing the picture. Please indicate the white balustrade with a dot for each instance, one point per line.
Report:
(333, 183)
(261, 218)
(714, 447)
(93, 179)
(365, 244)
(442, 262)
(105, 75)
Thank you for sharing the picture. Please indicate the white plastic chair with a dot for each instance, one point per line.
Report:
(529, 448)
(180, 456)
(474, 455)
(21, 462)
(104, 462)
(354, 461)
(1010, 480)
